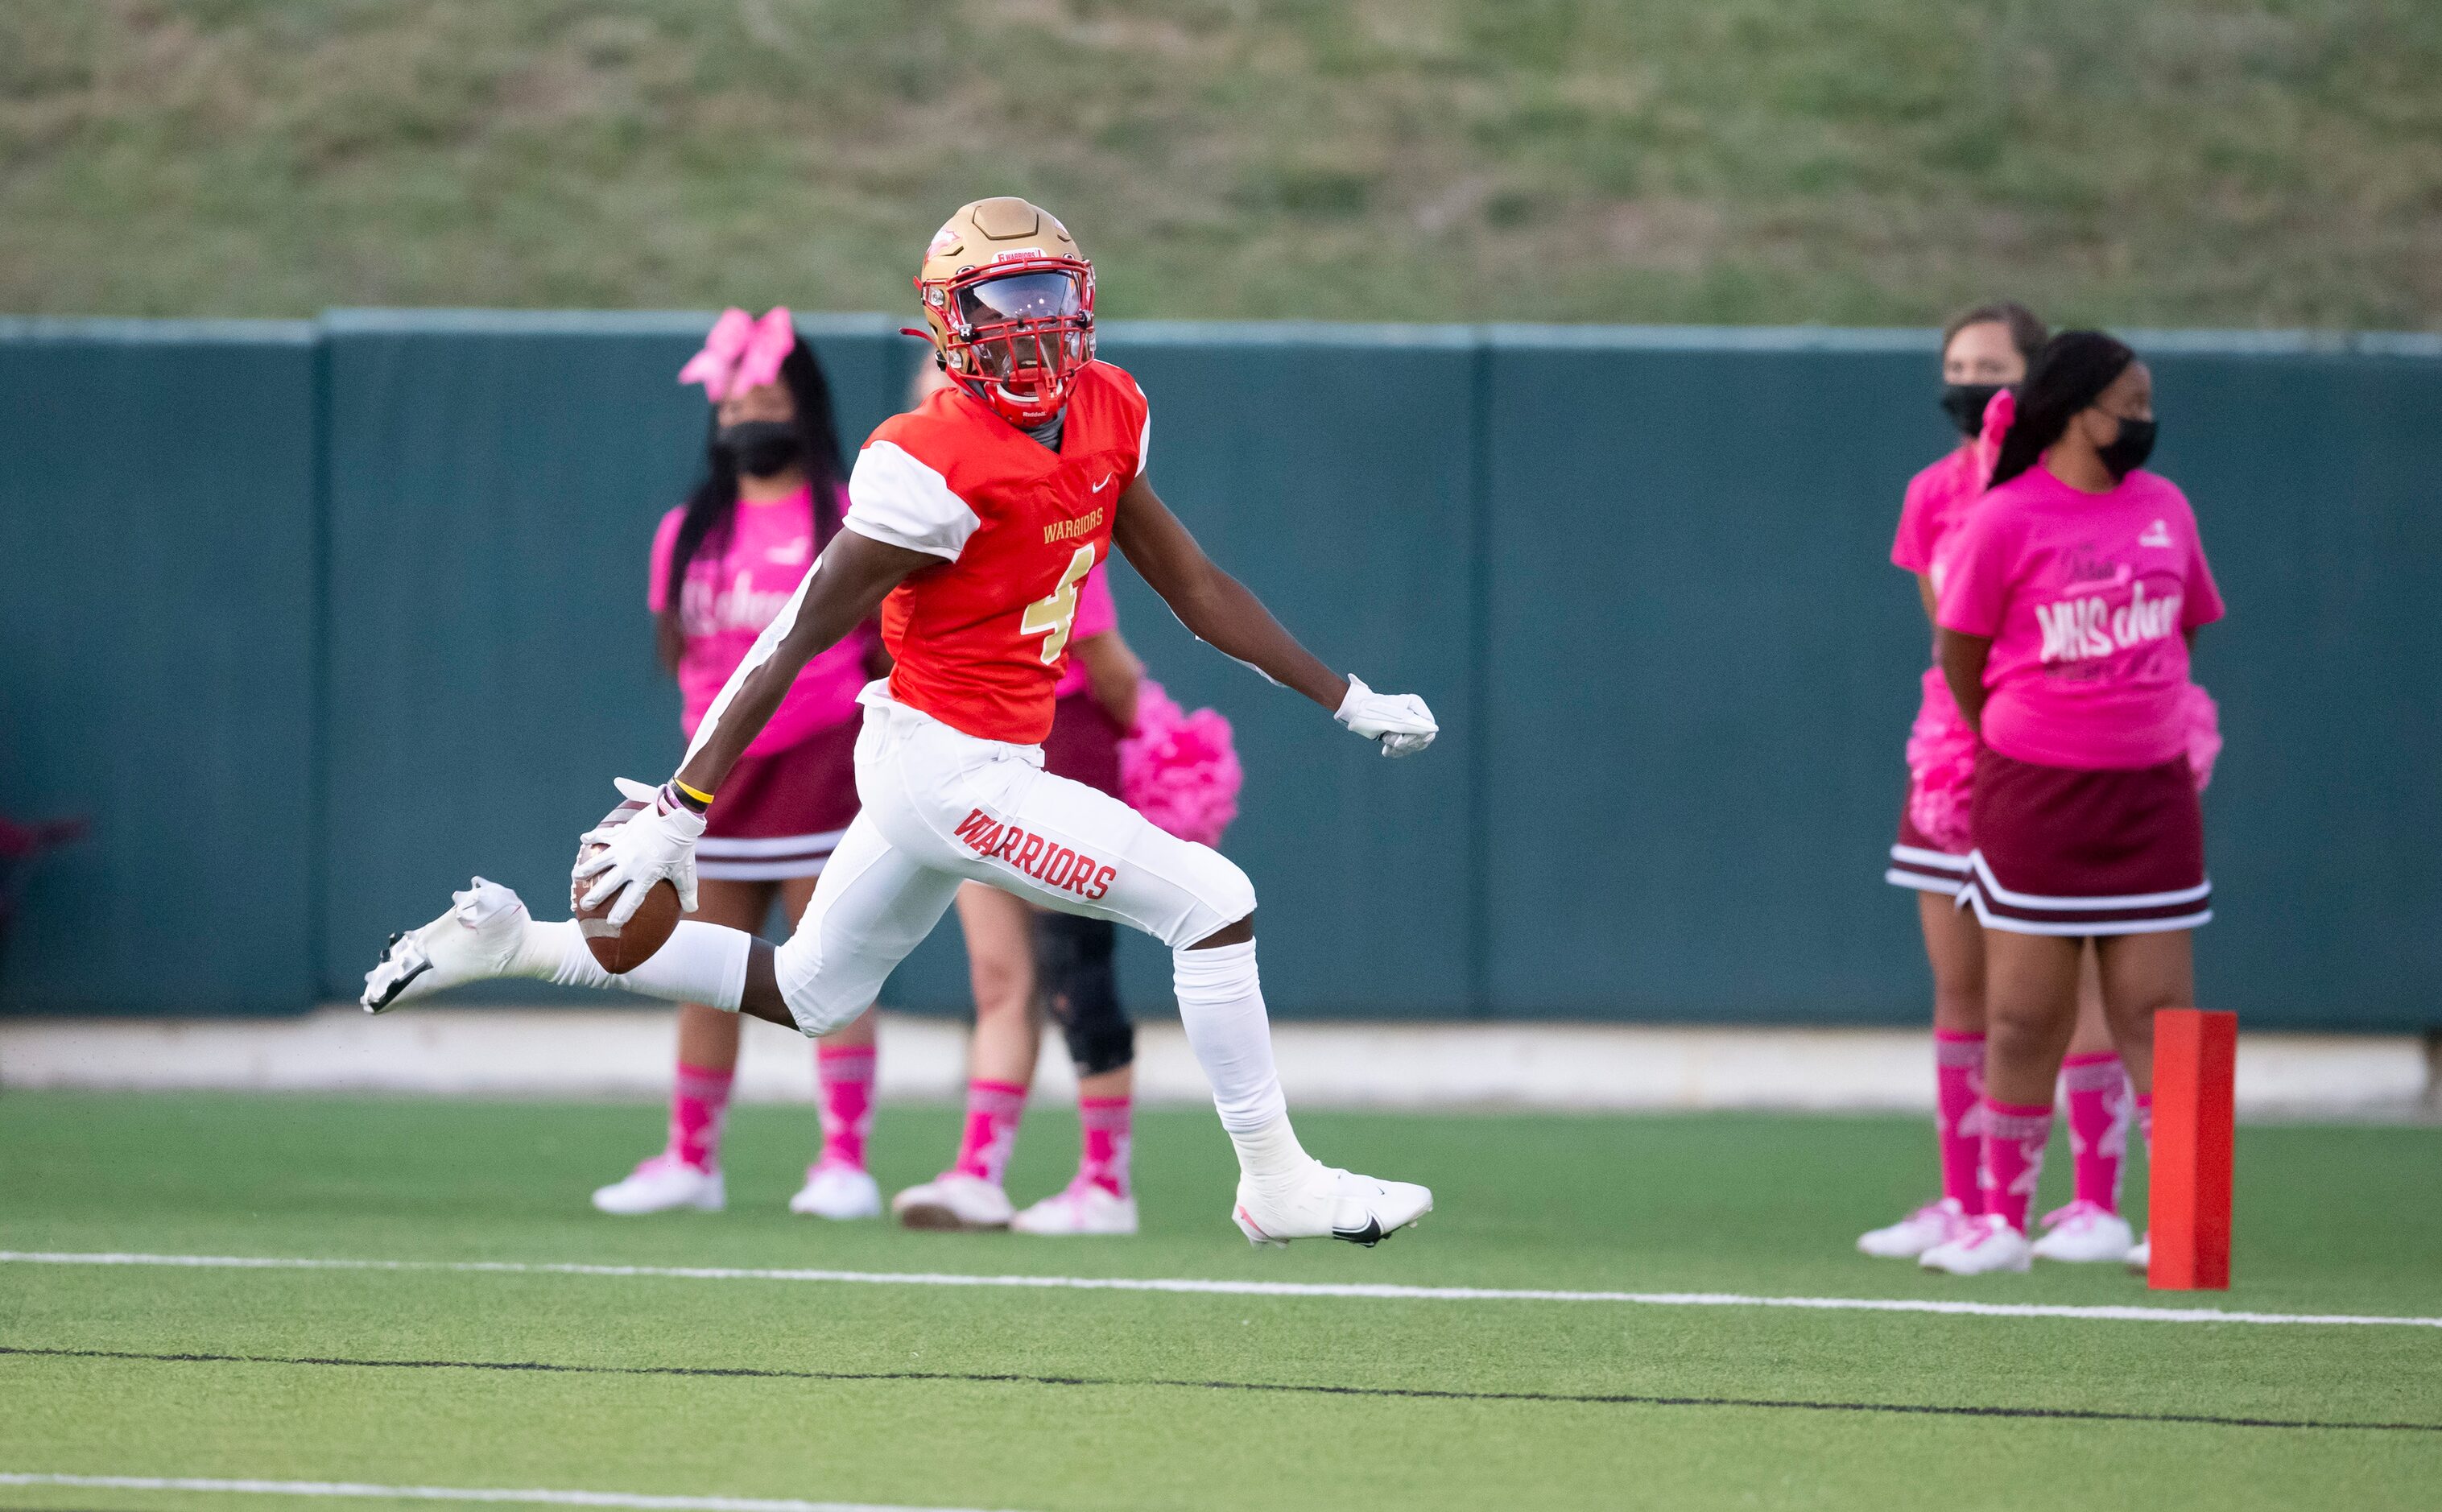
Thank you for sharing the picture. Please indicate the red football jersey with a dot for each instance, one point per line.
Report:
(981, 640)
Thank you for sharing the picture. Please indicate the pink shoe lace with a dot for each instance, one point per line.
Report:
(1953, 1225)
(666, 1161)
(1073, 1195)
(1983, 1227)
(2080, 1208)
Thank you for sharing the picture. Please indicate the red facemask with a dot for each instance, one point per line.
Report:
(1019, 334)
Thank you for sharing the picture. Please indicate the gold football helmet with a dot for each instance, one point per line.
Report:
(1008, 300)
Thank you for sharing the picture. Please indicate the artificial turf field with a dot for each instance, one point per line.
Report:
(970, 1396)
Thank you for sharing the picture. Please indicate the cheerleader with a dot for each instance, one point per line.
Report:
(723, 564)
(2066, 611)
(1984, 349)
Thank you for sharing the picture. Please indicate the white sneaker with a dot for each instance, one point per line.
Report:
(661, 1184)
(475, 940)
(2085, 1233)
(2140, 1255)
(1986, 1243)
(833, 1190)
(1085, 1208)
(1329, 1203)
(954, 1200)
(1935, 1223)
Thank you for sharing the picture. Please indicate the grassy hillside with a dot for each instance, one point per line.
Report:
(2232, 162)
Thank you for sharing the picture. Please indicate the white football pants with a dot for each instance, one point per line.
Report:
(940, 807)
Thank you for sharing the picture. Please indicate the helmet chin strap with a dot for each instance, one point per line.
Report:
(980, 389)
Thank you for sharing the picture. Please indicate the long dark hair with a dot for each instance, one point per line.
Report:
(712, 506)
(2069, 373)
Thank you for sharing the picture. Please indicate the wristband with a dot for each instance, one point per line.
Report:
(693, 798)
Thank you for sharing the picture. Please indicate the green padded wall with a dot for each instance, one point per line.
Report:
(1331, 470)
(157, 641)
(371, 620)
(1704, 668)
(494, 480)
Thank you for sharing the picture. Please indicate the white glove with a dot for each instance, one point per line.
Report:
(649, 838)
(1399, 721)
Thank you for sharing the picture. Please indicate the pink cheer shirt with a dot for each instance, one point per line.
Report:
(2084, 596)
(1096, 615)
(1936, 502)
(728, 599)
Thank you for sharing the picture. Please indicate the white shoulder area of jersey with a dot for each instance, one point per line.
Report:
(898, 501)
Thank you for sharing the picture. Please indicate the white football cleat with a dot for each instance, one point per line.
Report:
(1934, 1224)
(1085, 1208)
(474, 941)
(2086, 1234)
(1985, 1245)
(954, 1200)
(1329, 1203)
(836, 1191)
(2140, 1255)
(661, 1183)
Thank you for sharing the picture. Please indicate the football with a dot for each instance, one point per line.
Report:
(623, 949)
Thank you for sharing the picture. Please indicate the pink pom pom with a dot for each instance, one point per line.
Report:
(2202, 717)
(1180, 770)
(1942, 766)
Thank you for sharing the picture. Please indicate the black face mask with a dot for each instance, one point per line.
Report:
(759, 447)
(1965, 403)
(2128, 450)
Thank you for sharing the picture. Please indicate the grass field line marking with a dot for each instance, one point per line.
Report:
(453, 1493)
(1369, 1290)
(2079, 1414)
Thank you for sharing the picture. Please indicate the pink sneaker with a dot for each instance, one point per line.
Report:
(1085, 1207)
(662, 1182)
(837, 1190)
(2085, 1233)
(1986, 1245)
(1934, 1224)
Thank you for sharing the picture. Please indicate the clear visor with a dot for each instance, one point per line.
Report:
(1021, 297)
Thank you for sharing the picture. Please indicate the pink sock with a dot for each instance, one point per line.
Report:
(2015, 1136)
(698, 1098)
(844, 1077)
(1104, 1121)
(1958, 1087)
(993, 1112)
(2145, 1121)
(2098, 1126)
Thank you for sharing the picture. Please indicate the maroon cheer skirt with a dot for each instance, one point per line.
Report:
(779, 815)
(1919, 862)
(2064, 851)
(1083, 745)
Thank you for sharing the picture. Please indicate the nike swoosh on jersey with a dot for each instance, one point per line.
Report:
(1104, 483)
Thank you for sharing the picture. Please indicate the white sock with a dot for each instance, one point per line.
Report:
(699, 963)
(1221, 1003)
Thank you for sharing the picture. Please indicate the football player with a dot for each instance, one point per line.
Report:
(971, 521)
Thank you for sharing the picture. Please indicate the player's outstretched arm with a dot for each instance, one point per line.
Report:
(842, 588)
(651, 837)
(1219, 611)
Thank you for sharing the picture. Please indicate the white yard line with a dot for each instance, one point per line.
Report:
(454, 1493)
(1375, 1291)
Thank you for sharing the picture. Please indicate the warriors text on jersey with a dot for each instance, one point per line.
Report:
(981, 640)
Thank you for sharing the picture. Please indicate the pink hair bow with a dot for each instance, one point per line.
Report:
(742, 353)
(2001, 413)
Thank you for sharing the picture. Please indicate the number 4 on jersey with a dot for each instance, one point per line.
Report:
(1051, 617)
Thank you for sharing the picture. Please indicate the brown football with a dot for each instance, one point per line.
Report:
(623, 950)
